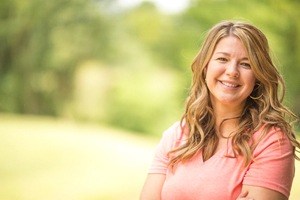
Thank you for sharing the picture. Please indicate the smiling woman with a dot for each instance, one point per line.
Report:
(235, 139)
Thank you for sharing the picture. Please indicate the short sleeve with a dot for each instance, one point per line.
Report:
(168, 141)
(273, 165)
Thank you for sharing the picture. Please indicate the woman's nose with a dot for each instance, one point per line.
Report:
(232, 70)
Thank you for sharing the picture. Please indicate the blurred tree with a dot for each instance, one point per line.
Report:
(41, 44)
(128, 68)
(152, 29)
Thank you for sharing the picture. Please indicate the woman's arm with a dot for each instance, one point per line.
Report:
(271, 172)
(259, 193)
(152, 187)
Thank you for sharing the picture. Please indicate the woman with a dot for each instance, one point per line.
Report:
(234, 140)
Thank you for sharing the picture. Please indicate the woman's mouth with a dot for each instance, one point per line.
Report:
(231, 85)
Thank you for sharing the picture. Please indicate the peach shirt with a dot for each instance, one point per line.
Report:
(222, 177)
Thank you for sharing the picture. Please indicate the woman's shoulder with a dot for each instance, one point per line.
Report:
(271, 137)
(269, 133)
(173, 135)
(174, 131)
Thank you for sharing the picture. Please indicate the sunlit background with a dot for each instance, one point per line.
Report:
(88, 86)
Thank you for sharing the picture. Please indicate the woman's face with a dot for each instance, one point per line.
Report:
(229, 76)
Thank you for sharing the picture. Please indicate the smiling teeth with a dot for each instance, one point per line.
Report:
(229, 84)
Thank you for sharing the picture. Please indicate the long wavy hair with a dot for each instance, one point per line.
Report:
(264, 108)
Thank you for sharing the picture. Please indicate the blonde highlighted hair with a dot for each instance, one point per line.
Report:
(264, 109)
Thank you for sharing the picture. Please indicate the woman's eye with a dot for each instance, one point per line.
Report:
(222, 59)
(246, 65)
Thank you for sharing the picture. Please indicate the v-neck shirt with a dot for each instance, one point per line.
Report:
(221, 176)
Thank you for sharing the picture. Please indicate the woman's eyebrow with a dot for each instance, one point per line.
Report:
(228, 54)
(221, 52)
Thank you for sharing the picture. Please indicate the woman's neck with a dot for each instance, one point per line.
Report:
(227, 120)
(222, 112)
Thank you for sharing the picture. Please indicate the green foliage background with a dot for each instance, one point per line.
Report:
(93, 61)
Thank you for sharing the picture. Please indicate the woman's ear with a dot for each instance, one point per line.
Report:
(204, 72)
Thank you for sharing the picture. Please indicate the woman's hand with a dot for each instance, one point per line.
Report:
(243, 196)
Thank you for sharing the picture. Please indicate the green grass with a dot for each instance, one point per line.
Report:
(51, 159)
(48, 159)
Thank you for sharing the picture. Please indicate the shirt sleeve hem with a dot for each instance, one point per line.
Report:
(156, 172)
